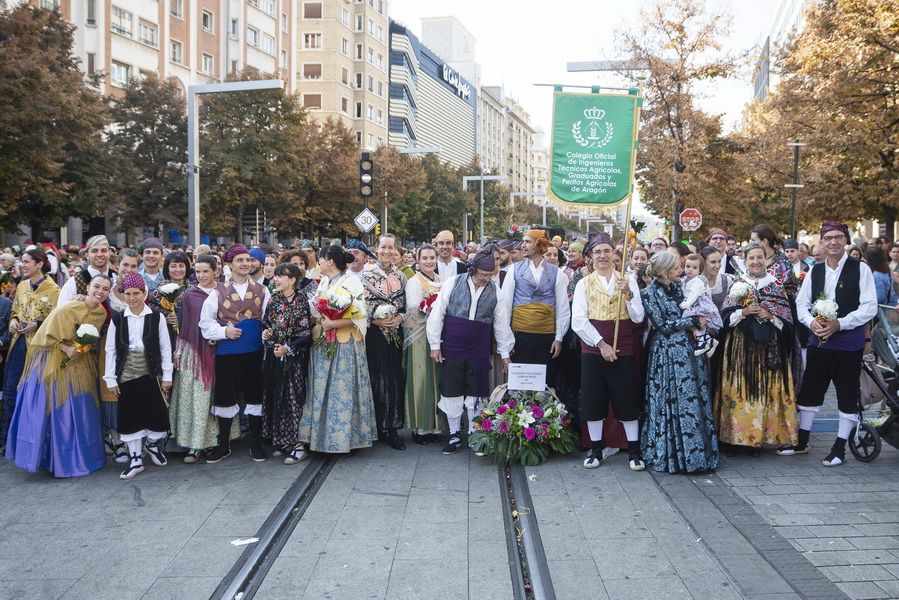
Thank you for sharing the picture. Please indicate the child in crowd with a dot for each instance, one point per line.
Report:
(698, 302)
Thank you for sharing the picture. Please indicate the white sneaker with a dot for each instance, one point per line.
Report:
(593, 460)
(296, 455)
(135, 468)
(155, 452)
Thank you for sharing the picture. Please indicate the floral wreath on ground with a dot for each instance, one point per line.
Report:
(524, 426)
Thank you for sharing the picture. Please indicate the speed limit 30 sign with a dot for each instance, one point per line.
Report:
(366, 220)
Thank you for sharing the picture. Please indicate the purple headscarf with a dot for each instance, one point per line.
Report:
(233, 251)
(132, 280)
(828, 226)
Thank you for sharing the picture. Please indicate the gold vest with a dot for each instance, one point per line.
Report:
(600, 305)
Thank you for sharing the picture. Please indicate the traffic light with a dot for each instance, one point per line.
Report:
(365, 175)
(377, 230)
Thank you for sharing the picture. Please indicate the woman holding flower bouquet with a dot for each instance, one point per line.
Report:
(166, 298)
(755, 402)
(385, 295)
(56, 425)
(421, 372)
(287, 332)
(339, 415)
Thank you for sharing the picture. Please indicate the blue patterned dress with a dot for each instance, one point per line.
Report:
(678, 433)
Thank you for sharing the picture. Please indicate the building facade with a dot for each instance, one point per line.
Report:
(430, 103)
(342, 64)
(454, 43)
(788, 20)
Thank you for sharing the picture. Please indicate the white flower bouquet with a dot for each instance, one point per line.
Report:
(169, 294)
(741, 292)
(388, 311)
(824, 310)
(86, 335)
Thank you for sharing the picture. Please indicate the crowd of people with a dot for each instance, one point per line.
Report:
(121, 353)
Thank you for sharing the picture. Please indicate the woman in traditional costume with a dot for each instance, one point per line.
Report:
(193, 426)
(385, 288)
(36, 296)
(422, 393)
(678, 434)
(56, 425)
(176, 271)
(339, 415)
(755, 401)
(287, 332)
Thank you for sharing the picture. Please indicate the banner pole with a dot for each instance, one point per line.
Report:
(627, 219)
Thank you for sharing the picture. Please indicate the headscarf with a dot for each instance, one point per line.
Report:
(482, 261)
(132, 280)
(716, 231)
(258, 253)
(309, 245)
(233, 251)
(596, 240)
(577, 246)
(444, 235)
(557, 238)
(828, 226)
(357, 245)
(202, 249)
(541, 242)
(505, 245)
(151, 242)
(97, 240)
(791, 244)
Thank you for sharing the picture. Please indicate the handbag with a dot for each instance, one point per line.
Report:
(871, 384)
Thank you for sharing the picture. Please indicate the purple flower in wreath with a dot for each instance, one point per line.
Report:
(512, 403)
(503, 427)
(530, 433)
(486, 425)
(565, 420)
(502, 409)
(537, 411)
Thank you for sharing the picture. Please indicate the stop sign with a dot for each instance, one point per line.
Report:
(690, 219)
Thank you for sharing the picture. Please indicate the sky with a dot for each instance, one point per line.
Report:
(525, 42)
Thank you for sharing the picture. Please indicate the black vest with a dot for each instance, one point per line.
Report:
(150, 338)
(848, 292)
(83, 280)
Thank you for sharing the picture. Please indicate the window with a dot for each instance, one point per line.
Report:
(380, 61)
(235, 28)
(371, 112)
(381, 89)
(268, 44)
(121, 21)
(345, 46)
(381, 6)
(148, 33)
(345, 76)
(371, 83)
(91, 12)
(358, 110)
(380, 117)
(285, 22)
(176, 51)
(313, 101)
(207, 64)
(359, 137)
(266, 6)
(284, 59)
(49, 4)
(358, 81)
(312, 40)
(91, 63)
(176, 8)
(371, 55)
(359, 20)
(344, 104)
(253, 36)
(312, 71)
(359, 52)
(312, 10)
(380, 35)
(371, 140)
(207, 20)
(345, 16)
(234, 66)
(120, 73)
(371, 27)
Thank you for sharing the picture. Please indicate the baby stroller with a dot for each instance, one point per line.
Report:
(879, 386)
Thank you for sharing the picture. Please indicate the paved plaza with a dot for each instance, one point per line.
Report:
(418, 524)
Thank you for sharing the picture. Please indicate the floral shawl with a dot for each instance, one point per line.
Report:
(768, 292)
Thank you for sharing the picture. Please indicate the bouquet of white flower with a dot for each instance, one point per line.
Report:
(169, 294)
(741, 292)
(86, 335)
(824, 309)
(388, 311)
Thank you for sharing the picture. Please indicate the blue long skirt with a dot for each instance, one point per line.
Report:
(66, 440)
(15, 363)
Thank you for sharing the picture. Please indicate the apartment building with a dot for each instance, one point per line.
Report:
(342, 64)
(197, 41)
(519, 147)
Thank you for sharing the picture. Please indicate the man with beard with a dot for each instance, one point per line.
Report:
(459, 327)
(732, 264)
(97, 251)
(151, 263)
(257, 261)
(504, 248)
(447, 265)
(536, 294)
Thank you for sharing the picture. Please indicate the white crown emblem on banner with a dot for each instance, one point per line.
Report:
(594, 138)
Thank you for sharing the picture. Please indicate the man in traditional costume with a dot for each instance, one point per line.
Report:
(535, 293)
(97, 251)
(447, 264)
(360, 254)
(836, 346)
(232, 318)
(608, 375)
(151, 262)
(257, 255)
(467, 309)
(732, 265)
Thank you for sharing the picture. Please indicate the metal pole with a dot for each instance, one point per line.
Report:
(193, 179)
(795, 189)
(482, 207)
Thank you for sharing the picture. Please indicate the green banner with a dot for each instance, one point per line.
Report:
(593, 141)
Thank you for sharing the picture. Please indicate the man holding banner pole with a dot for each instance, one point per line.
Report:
(536, 294)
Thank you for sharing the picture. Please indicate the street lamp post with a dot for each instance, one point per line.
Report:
(193, 140)
(794, 187)
(482, 178)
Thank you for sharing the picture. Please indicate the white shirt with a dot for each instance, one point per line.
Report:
(563, 311)
(867, 302)
(357, 274)
(505, 340)
(415, 293)
(580, 322)
(209, 323)
(136, 344)
(447, 270)
(69, 291)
